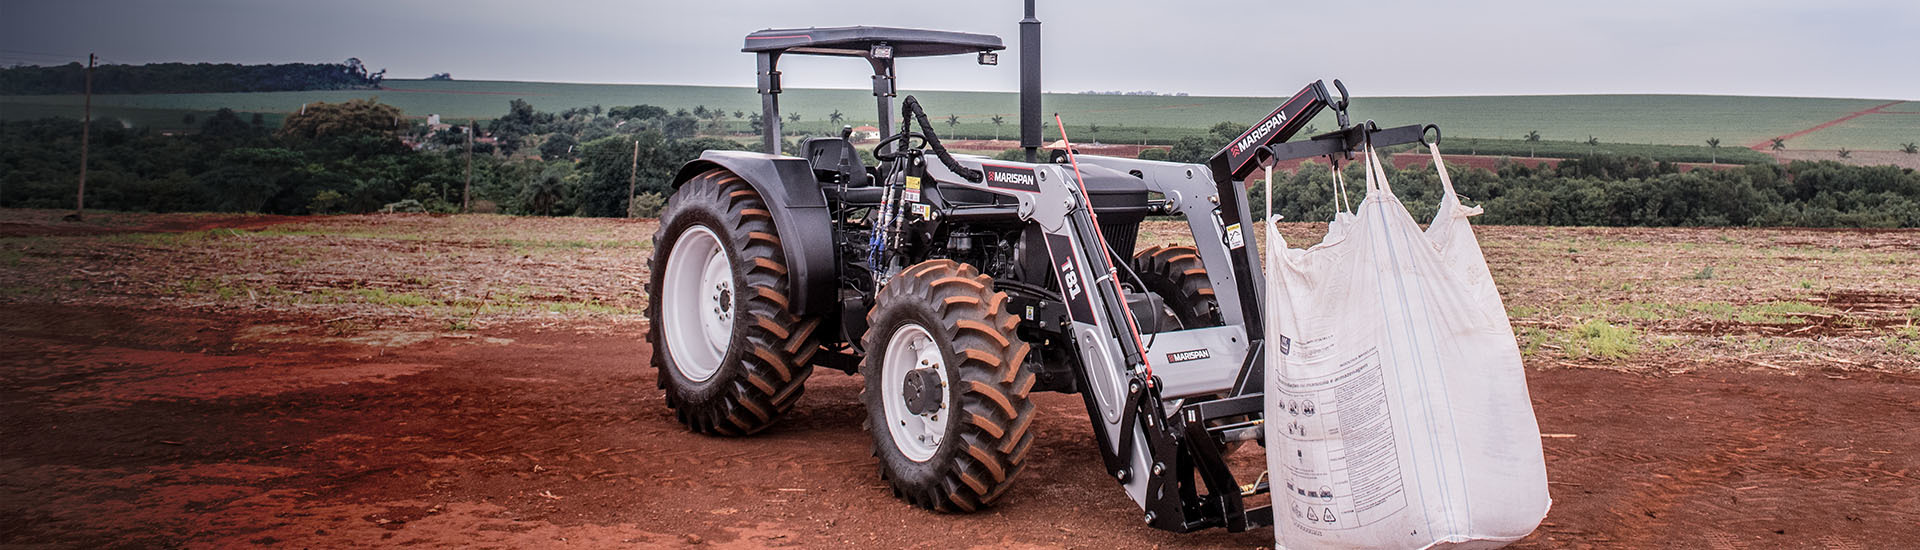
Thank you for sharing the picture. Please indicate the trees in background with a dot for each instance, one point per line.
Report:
(355, 117)
(176, 78)
(1610, 190)
(347, 158)
(344, 158)
(1197, 149)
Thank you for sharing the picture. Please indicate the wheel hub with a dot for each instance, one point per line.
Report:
(923, 391)
(914, 383)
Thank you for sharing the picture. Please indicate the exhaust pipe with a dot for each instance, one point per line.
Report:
(1030, 85)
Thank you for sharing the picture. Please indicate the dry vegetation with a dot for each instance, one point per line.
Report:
(1625, 298)
(457, 271)
(1677, 299)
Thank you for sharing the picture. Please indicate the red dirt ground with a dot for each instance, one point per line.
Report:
(163, 427)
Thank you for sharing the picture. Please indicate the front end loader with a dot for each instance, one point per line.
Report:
(957, 286)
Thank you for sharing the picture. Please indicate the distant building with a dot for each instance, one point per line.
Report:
(864, 133)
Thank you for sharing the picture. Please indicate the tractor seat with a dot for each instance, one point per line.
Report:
(832, 155)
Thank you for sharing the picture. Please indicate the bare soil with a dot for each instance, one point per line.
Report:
(138, 414)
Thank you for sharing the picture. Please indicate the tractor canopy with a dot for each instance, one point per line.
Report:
(859, 41)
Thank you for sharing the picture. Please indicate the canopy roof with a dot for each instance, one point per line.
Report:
(858, 41)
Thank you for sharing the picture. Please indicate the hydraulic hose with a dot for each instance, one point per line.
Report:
(910, 110)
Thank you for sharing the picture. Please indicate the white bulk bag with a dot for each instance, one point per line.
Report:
(1397, 409)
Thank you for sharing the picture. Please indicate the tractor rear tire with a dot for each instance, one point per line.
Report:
(731, 357)
(1176, 274)
(946, 394)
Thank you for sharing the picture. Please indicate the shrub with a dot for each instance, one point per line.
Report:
(646, 205)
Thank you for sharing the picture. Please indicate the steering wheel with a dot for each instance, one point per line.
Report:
(906, 139)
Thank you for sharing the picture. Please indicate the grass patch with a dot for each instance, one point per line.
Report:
(1599, 339)
(380, 296)
(1905, 341)
(165, 240)
(587, 307)
(1776, 312)
(1704, 273)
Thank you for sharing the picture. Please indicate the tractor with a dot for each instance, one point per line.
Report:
(956, 286)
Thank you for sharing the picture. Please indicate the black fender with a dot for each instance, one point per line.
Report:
(800, 213)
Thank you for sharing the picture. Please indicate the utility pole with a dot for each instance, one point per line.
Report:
(466, 194)
(633, 177)
(86, 127)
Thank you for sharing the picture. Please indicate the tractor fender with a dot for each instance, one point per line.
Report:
(799, 211)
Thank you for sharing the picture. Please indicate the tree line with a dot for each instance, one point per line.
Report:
(1605, 189)
(363, 156)
(350, 158)
(181, 78)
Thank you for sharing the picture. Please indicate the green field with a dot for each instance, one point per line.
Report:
(1619, 119)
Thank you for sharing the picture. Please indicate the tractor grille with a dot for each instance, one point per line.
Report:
(1121, 237)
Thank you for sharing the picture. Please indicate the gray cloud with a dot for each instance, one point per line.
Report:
(1857, 48)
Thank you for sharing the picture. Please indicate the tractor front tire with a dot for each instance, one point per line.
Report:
(946, 395)
(1177, 275)
(731, 357)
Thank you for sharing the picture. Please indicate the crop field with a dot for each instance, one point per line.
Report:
(1621, 119)
(477, 380)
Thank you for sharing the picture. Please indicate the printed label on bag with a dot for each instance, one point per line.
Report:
(1345, 472)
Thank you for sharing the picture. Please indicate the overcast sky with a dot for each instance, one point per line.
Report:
(1819, 48)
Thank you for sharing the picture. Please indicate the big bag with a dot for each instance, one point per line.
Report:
(1397, 414)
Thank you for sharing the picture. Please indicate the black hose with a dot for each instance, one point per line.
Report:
(910, 109)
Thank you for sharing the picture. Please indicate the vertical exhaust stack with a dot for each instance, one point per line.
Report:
(1030, 85)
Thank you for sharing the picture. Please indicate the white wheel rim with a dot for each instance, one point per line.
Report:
(917, 436)
(697, 303)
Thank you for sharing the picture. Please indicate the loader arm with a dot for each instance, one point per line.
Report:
(1153, 451)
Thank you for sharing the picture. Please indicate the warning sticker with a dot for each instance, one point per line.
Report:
(1345, 472)
(1234, 240)
(912, 193)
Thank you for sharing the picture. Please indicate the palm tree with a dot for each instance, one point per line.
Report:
(835, 117)
(997, 121)
(1713, 147)
(1095, 130)
(700, 111)
(1310, 130)
(1910, 148)
(738, 114)
(1533, 139)
(1844, 153)
(953, 120)
(1779, 143)
(1592, 143)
